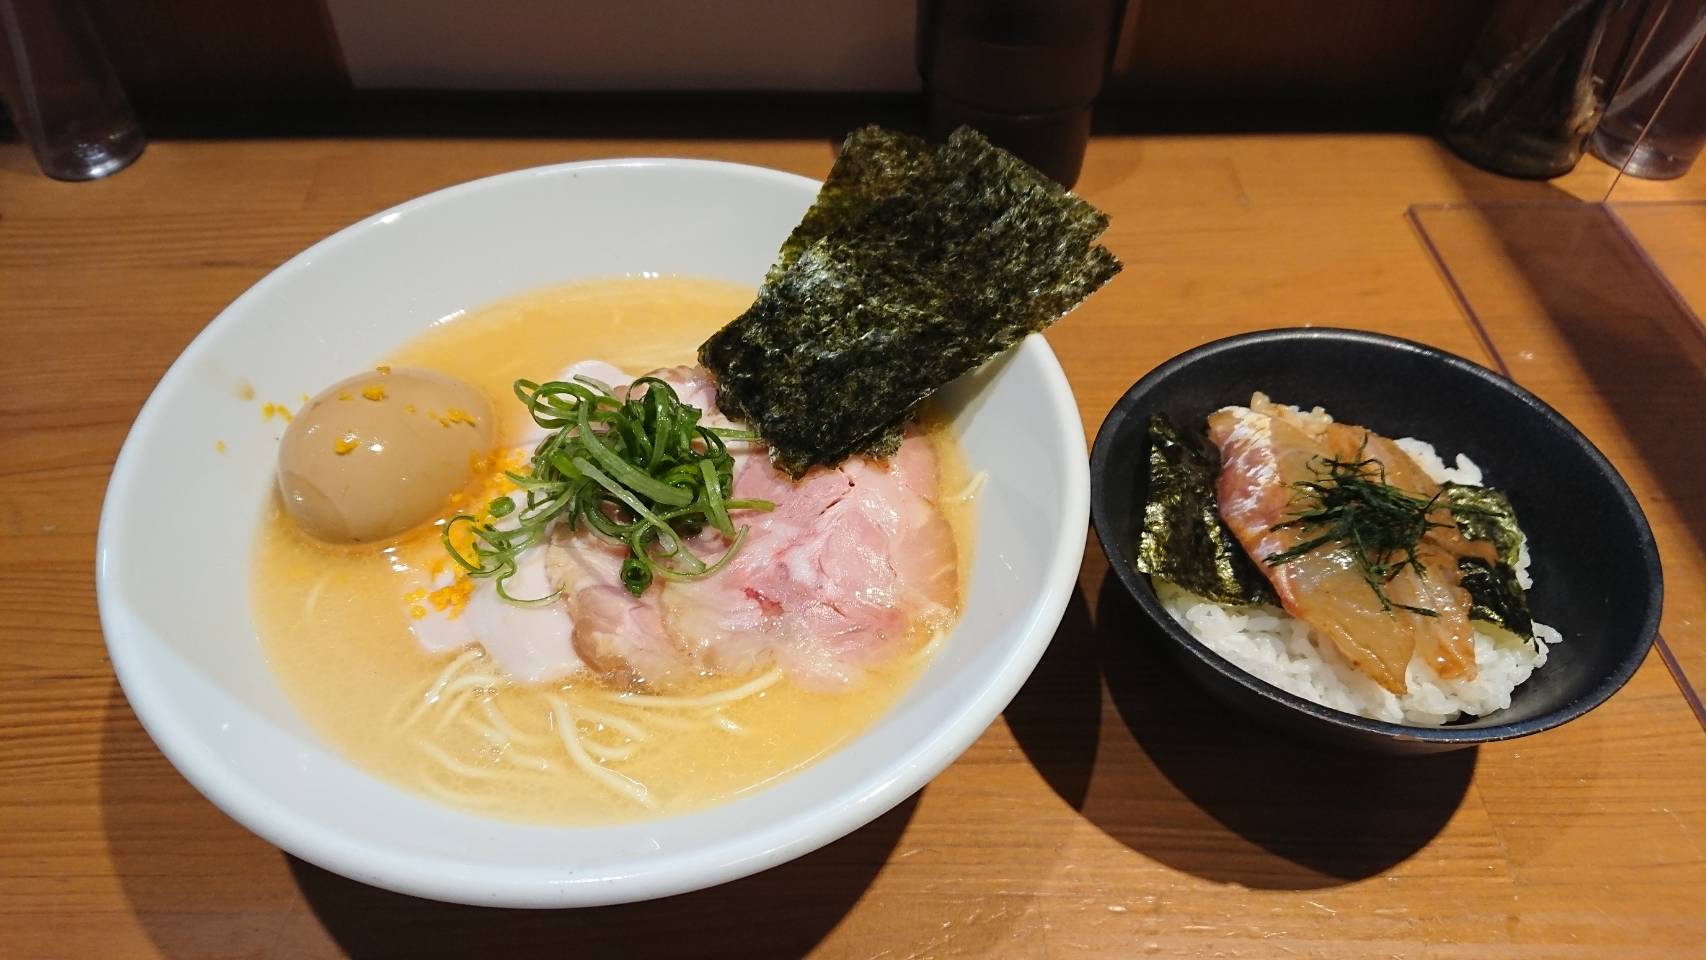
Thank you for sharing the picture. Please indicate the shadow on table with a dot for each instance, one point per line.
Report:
(203, 886)
(783, 912)
(197, 883)
(1175, 776)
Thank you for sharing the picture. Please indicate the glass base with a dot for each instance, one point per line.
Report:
(91, 159)
(1638, 159)
(1512, 154)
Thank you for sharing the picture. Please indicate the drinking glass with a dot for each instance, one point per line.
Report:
(61, 91)
(1655, 125)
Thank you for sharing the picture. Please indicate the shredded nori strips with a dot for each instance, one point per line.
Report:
(1496, 597)
(1184, 540)
(916, 265)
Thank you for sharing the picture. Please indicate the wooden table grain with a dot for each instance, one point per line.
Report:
(1110, 812)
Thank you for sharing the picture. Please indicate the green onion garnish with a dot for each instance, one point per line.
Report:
(638, 470)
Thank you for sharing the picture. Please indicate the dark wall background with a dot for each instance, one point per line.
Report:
(1329, 50)
(178, 52)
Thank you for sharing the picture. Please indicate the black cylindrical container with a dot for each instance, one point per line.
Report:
(1529, 95)
(1022, 72)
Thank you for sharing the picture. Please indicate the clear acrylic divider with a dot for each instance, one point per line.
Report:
(1567, 303)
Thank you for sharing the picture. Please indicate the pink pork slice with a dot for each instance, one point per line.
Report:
(829, 584)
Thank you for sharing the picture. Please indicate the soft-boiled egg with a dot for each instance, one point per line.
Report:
(378, 454)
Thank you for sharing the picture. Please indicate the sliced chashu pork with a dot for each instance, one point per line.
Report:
(850, 562)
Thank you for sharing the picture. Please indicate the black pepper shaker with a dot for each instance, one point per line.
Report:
(1024, 73)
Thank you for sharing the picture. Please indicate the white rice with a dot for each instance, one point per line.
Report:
(1271, 644)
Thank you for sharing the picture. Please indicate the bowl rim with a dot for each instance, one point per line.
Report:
(436, 877)
(1138, 586)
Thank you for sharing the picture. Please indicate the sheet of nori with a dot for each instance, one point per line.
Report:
(874, 165)
(1495, 594)
(915, 266)
(1184, 541)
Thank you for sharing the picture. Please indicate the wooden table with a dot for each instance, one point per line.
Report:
(1110, 812)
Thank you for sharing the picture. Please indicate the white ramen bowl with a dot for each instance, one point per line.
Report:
(178, 525)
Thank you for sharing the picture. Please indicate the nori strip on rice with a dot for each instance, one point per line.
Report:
(1483, 513)
(1184, 541)
(914, 266)
(1495, 596)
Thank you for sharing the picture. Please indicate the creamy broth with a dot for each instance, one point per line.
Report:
(335, 623)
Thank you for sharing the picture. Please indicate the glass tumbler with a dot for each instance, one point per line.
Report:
(1655, 125)
(61, 90)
